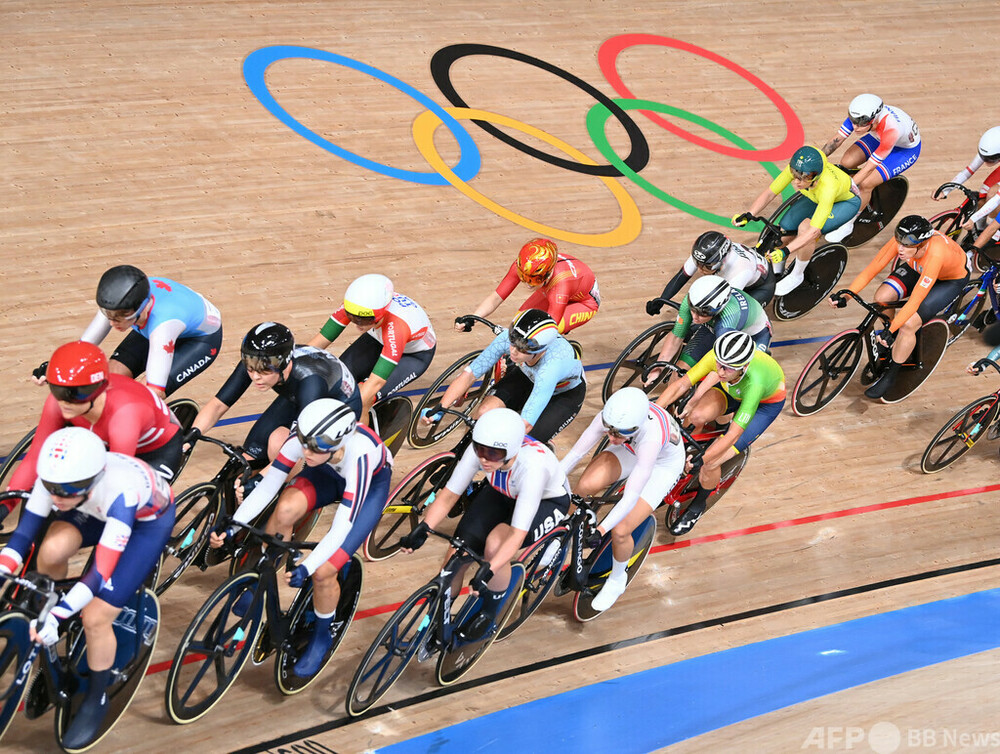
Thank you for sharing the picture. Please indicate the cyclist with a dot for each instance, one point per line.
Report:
(734, 378)
(988, 153)
(127, 416)
(110, 500)
(344, 462)
(714, 254)
(645, 447)
(547, 387)
(713, 307)
(270, 360)
(890, 145)
(930, 268)
(562, 285)
(525, 497)
(397, 341)
(829, 198)
(175, 333)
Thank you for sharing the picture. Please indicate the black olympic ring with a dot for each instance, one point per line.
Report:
(441, 64)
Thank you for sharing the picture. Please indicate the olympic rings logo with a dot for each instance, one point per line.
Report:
(469, 162)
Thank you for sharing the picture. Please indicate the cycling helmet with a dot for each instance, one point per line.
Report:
(807, 162)
(532, 331)
(734, 349)
(625, 411)
(498, 435)
(71, 462)
(989, 145)
(710, 249)
(709, 294)
(122, 289)
(77, 372)
(323, 425)
(864, 109)
(267, 347)
(368, 297)
(913, 230)
(536, 260)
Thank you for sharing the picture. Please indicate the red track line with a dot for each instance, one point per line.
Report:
(372, 611)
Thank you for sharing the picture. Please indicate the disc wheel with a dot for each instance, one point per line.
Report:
(642, 539)
(821, 276)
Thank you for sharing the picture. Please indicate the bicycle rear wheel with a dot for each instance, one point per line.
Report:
(406, 504)
(822, 275)
(391, 418)
(420, 435)
(213, 649)
(197, 509)
(543, 563)
(932, 340)
(637, 355)
(642, 539)
(184, 410)
(676, 506)
(886, 200)
(461, 657)
(827, 373)
(959, 434)
(393, 648)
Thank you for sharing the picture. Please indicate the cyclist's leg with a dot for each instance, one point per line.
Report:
(485, 511)
(610, 465)
(763, 290)
(560, 411)
(361, 356)
(279, 415)
(713, 405)
(576, 314)
(166, 459)
(511, 392)
(410, 366)
(192, 356)
(129, 358)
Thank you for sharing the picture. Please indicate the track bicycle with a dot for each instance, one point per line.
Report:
(635, 359)
(63, 676)
(429, 623)
(833, 366)
(886, 200)
(962, 431)
(950, 221)
(222, 637)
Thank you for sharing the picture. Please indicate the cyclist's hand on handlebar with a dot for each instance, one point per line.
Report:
(481, 579)
(218, 537)
(38, 373)
(741, 219)
(416, 538)
(973, 369)
(654, 306)
(885, 338)
(592, 536)
(431, 414)
(190, 438)
(47, 633)
(837, 302)
(297, 576)
(462, 324)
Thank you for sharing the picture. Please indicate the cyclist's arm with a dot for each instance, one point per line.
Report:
(717, 451)
(36, 511)
(885, 255)
(761, 202)
(327, 548)
(97, 330)
(986, 209)
(987, 235)
(673, 287)
(558, 299)
(209, 415)
(544, 388)
(124, 429)
(270, 484)
(834, 144)
(675, 390)
(457, 484)
(645, 458)
(582, 446)
(671, 347)
(331, 330)
(162, 341)
(458, 388)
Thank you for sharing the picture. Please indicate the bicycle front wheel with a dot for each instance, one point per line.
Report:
(6, 470)
(197, 508)
(393, 648)
(959, 434)
(15, 645)
(543, 563)
(827, 373)
(633, 360)
(421, 435)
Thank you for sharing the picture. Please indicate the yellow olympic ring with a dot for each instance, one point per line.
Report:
(627, 231)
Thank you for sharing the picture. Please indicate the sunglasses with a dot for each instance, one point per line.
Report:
(70, 489)
(264, 364)
(76, 393)
(488, 453)
(808, 177)
(622, 434)
(360, 320)
(703, 312)
(121, 315)
(317, 444)
(525, 345)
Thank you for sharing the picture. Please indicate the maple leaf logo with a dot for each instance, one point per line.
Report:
(162, 284)
(169, 347)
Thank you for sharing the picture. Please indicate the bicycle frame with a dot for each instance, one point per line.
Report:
(987, 285)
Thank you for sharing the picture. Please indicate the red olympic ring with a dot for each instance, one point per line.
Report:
(607, 58)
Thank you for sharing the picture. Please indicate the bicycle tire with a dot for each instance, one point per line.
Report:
(886, 200)
(420, 436)
(405, 505)
(197, 510)
(958, 306)
(391, 418)
(299, 629)
(213, 636)
(399, 639)
(642, 538)
(932, 342)
(6, 469)
(456, 662)
(827, 373)
(15, 645)
(635, 357)
(541, 571)
(184, 410)
(822, 275)
(960, 433)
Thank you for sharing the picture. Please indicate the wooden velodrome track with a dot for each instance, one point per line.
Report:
(130, 135)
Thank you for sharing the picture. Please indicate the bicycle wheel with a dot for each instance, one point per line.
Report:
(959, 434)
(543, 562)
(932, 340)
(947, 223)
(391, 418)
(969, 305)
(393, 648)
(197, 509)
(301, 623)
(420, 435)
(185, 410)
(827, 373)
(405, 505)
(677, 504)
(15, 646)
(821, 277)
(213, 649)
(457, 660)
(6, 469)
(642, 538)
(886, 200)
(637, 355)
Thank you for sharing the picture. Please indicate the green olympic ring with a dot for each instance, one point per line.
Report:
(598, 115)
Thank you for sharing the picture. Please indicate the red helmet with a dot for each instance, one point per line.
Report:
(77, 372)
(536, 260)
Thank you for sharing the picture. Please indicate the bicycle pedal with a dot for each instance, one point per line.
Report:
(427, 650)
